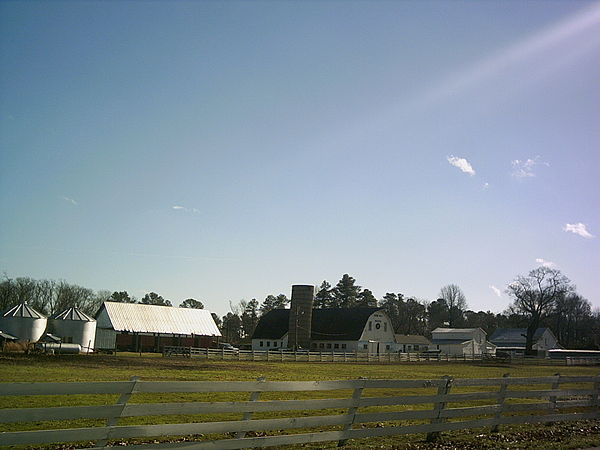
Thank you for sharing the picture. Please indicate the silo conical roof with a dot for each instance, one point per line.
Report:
(73, 313)
(22, 310)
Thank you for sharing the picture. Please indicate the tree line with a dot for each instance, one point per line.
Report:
(542, 298)
(51, 297)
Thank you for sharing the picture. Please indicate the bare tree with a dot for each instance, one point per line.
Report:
(535, 296)
(456, 301)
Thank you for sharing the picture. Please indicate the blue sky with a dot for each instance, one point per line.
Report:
(226, 150)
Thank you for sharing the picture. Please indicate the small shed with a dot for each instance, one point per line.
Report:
(411, 343)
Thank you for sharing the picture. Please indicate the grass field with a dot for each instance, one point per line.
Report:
(18, 367)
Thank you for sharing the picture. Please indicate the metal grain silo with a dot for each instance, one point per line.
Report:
(74, 327)
(23, 322)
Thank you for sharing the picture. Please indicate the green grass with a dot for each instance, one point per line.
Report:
(69, 368)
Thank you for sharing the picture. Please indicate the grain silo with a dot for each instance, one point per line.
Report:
(74, 327)
(23, 322)
(300, 316)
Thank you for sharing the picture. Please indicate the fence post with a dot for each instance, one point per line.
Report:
(438, 407)
(248, 415)
(112, 421)
(501, 400)
(356, 395)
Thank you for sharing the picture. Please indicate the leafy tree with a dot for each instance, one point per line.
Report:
(273, 302)
(232, 328)
(345, 293)
(324, 296)
(122, 297)
(393, 308)
(415, 317)
(249, 318)
(437, 314)
(192, 303)
(487, 321)
(407, 316)
(153, 298)
(366, 299)
(457, 303)
(535, 296)
(572, 319)
(218, 321)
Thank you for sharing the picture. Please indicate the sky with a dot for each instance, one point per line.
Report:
(226, 150)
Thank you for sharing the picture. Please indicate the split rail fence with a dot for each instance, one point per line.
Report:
(355, 357)
(232, 414)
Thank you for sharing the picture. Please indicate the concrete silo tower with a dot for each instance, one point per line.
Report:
(301, 316)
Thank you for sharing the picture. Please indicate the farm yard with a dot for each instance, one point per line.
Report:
(152, 367)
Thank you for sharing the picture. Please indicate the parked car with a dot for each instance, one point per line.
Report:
(228, 347)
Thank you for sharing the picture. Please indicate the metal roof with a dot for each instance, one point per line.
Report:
(8, 337)
(140, 318)
(327, 324)
(411, 339)
(516, 336)
(73, 314)
(455, 330)
(22, 310)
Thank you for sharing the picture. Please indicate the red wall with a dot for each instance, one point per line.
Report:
(129, 342)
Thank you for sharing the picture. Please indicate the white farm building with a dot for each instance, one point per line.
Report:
(140, 327)
(461, 342)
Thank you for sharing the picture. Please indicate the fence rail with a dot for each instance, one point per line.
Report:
(356, 357)
(353, 409)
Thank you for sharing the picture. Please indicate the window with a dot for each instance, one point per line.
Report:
(343, 345)
(370, 325)
(321, 345)
(384, 326)
(377, 326)
(416, 347)
(328, 345)
(336, 345)
(268, 343)
(261, 343)
(387, 347)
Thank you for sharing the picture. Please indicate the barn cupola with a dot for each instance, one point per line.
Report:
(301, 316)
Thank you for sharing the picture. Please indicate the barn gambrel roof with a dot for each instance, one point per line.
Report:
(141, 318)
(329, 324)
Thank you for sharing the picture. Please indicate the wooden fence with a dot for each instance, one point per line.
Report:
(232, 414)
(356, 357)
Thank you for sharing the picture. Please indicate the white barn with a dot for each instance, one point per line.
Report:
(140, 327)
(461, 342)
(332, 329)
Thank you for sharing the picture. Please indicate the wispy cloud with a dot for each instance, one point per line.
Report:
(524, 168)
(543, 262)
(577, 28)
(462, 164)
(578, 228)
(496, 290)
(70, 200)
(183, 208)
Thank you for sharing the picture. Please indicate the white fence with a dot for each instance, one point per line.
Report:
(289, 412)
(353, 357)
